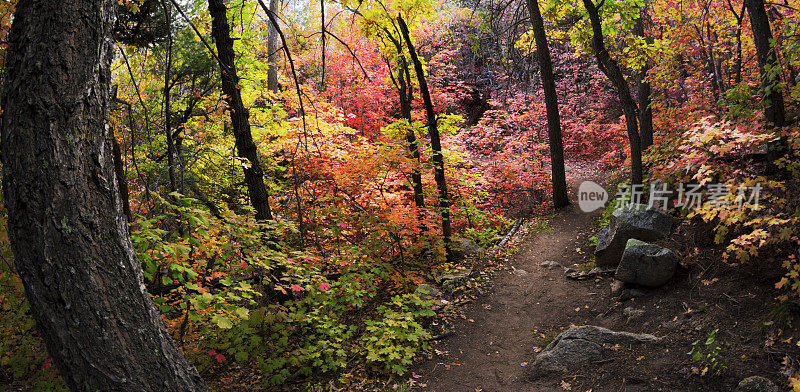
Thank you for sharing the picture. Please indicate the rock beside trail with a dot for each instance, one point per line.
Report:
(464, 248)
(550, 265)
(426, 291)
(646, 264)
(756, 384)
(637, 222)
(456, 280)
(580, 346)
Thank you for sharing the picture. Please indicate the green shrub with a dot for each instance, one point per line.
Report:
(392, 341)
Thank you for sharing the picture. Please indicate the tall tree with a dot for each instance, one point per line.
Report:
(737, 67)
(613, 72)
(167, 99)
(273, 47)
(70, 241)
(436, 145)
(405, 90)
(645, 109)
(240, 116)
(774, 113)
(560, 198)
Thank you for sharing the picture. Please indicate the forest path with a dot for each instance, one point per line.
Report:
(496, 339)
(502, 331)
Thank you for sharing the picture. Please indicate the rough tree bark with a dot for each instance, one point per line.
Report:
(612, 71)
(774, 113)
(240, 116)
(65, 222)
(560, 198)
(436, 144)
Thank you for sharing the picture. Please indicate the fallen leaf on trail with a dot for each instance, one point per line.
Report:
(566, 386)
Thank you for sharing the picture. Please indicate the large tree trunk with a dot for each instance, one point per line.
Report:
(774, 112)
(272, 49)
(436, 145)
(69, 238)
(560, 198)
(612, 71)
(240, 116)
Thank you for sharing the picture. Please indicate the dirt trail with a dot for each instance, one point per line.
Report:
(498, 334)
(501, 331)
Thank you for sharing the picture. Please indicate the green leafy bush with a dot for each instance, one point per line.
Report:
(393, 340)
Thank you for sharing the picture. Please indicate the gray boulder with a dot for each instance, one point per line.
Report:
(579, 346)
(455, 280)
(464, 248)
(426, 291)
(756, 384)
(637, 222)
(646, 264)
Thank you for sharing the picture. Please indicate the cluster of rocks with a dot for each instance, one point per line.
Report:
(622, 248)
(452, 283)
(624, 244)
(457, 281)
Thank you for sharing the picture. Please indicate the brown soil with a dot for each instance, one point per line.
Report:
(501, 332)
